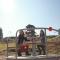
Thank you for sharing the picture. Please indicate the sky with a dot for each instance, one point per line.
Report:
(17, 14)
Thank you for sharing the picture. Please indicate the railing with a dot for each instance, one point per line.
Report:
(33, 42)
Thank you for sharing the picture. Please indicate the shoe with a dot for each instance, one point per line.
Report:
(39, 53)
(27, 54)
(19, 54)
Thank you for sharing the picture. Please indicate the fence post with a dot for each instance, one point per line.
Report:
(45, 43)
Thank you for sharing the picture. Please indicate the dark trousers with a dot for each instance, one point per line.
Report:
(41, 48)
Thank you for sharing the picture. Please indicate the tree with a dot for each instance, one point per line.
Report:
(1, 34)
(59, 31)
(32, 31)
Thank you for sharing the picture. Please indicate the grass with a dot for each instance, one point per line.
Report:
(3, 46)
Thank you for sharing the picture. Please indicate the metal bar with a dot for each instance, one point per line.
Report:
(7, 47)
(31, 28)
(33, 47)
(37, 28)
(16, 45)
(45, 42)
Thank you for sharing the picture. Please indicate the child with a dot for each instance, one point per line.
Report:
(21, 39)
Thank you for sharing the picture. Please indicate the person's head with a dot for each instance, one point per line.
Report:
(21, 32)
(41, 31)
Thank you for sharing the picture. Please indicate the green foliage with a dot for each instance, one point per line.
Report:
(31, 31)
(30, 26)
(59, 31)
(1, 33)
(49, 37)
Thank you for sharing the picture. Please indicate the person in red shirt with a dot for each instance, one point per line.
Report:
(21, 45)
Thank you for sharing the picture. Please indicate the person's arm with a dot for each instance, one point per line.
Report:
(25, 38)
(18, 39)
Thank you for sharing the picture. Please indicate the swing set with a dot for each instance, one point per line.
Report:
(32, 50)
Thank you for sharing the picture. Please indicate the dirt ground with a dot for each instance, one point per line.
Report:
(2, 57)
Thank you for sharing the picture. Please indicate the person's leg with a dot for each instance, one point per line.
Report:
(39, 49)
(19, 50)
(27, 53)
(19, 53)
(43, 49)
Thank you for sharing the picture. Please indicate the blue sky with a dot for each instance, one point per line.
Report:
(16, 14)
